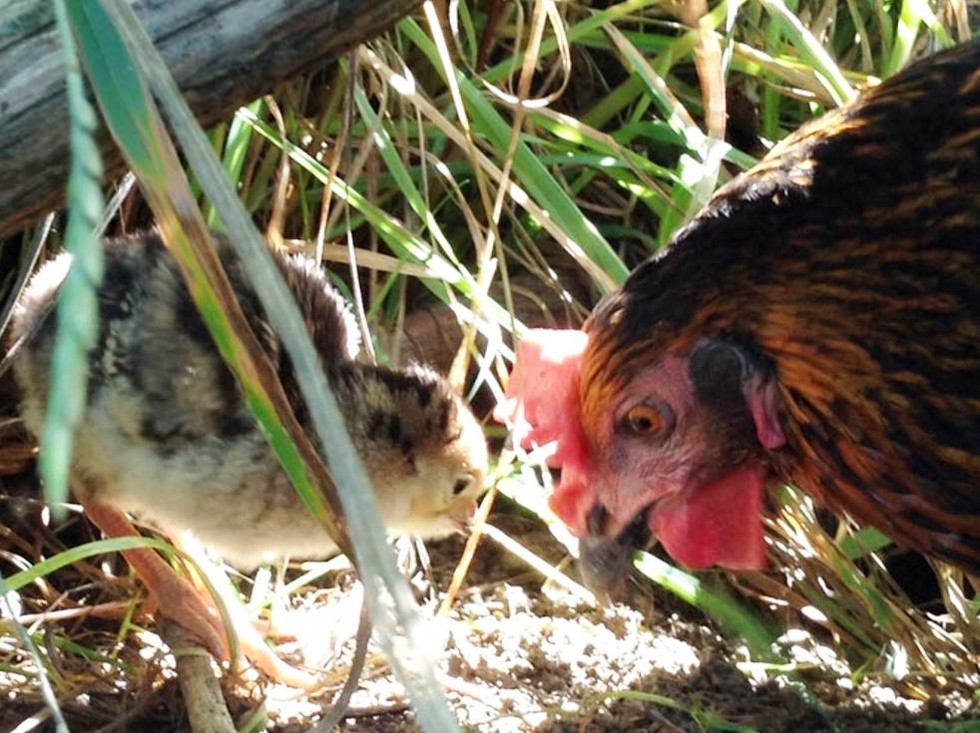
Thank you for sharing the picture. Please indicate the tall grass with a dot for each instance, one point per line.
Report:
(507, 163)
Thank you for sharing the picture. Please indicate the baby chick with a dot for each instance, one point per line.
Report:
(167, 435)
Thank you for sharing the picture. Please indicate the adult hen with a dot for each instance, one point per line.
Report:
(818, 324)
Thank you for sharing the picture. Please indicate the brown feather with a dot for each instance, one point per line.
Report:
(850, 259)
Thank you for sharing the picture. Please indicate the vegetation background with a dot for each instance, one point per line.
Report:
(493, 165)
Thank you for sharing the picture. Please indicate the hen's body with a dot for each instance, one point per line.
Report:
(167, 434)
(820, 320)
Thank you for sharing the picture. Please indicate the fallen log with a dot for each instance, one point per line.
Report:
(223, 53)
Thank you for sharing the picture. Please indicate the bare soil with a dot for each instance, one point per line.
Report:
(515, 654)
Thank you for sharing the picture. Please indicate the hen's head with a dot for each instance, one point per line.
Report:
(678, 445)
(676, 416)
(672, 442)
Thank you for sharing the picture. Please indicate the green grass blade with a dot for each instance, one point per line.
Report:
(706, 720)
(533, 176)
(402, 178)
(405, 244)
(863, 542)
(75, 554)
(914, 14)
(732, 616)
(811, 50)
(236, 145)
(77, 317)
(47, 692)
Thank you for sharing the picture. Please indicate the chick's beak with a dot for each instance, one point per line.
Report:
(605, 562)
(462, 514)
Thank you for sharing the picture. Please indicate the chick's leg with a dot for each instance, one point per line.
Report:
(251, 640)
(176, 598)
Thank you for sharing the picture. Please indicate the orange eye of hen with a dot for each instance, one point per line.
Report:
(644, 419)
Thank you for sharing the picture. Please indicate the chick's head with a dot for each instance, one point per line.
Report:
(423, 449)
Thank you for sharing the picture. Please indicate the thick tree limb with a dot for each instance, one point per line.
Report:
(222, 53)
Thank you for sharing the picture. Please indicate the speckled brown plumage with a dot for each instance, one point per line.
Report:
(168, 436)
(844, 271)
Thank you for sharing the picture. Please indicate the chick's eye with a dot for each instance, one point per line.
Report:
(646, 420)
(462, 484)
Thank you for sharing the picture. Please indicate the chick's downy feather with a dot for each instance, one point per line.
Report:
(167, 435)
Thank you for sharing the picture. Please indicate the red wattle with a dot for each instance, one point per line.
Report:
(716, 524)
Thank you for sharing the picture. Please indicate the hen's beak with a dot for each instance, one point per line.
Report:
(605, 562)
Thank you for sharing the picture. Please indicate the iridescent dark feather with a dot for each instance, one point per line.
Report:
(849, 262)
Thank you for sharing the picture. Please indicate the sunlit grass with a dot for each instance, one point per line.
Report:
(585, 146)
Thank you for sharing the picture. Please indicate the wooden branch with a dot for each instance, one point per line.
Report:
(223, 53)
(207, 711)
